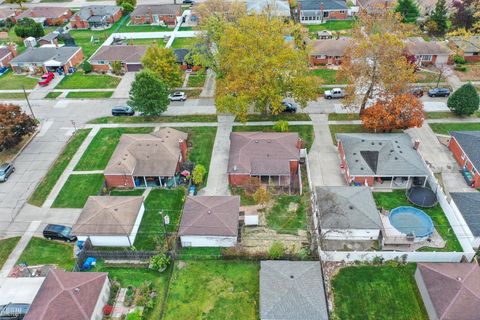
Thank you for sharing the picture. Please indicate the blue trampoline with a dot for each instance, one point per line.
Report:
(412, 221)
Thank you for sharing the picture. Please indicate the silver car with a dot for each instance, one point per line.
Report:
(6, 170)
(178, 96)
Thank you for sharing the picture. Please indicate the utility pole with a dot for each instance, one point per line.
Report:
(28, 102)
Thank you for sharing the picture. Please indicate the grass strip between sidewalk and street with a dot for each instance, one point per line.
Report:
(159, 119)
(89, 94)
(6, 247)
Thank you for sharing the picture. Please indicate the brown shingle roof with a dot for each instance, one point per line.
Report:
(6, 13)
(159, 9)
(154, 154)
(330, 47)
(262, 153)
(453, 288)
(67, 295)
(4, 52)
(123, 53)
(210, 216)
(108, 216)
(43, 12)
(418, 46)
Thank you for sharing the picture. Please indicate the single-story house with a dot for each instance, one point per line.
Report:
(7, 53)
(428, 52)
(110, 221)
(470, 47)
(381, 160)
(468, 205)
(147, 160)
(449, 290)
(319, 11)
(329, 51)
(129, 55)
(465, 146)
(292, 290)
(6, 13)
(270, 157)
(156, 14)
(275, 8)
(210, 221)
(373, 6)
(428, 6)
(347, 214)
(96, 17)
(49, 39)
(71, 295)
(47, 58)
(49, 16)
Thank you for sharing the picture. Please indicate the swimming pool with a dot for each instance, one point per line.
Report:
(411, 221)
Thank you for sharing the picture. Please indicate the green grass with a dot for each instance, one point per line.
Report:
(444, 128)
(132, 192)
(397, 198)
(149, 41)
(89, 94)
(284, 221)
(277, 117)
(142, 119)
(181, 43)
(142, 28)
(305, 131)
(6, 247)
(79, 80)
(332, 25)
(343, 116)
(345, 128)
(213, 290)
(12, 81)
(56, 1)
(246, 199)
(77, 189)
(196, 80)
(103, 145)
(42, 251)
(151, 232)
(449, 115)
(185, 29)
(12, 95)
(53, 95)
(377, 292)
(46, 185)
(328, 76)
(192, 253)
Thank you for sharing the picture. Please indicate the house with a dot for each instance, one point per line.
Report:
(428, 52)
(329, 51)
(7, 53)
(129, 55)
(274, 8)
(71, 295)
(210, 221)
(268, 157)
(292, 290)
(324, 34)
(347, 214)
(373, 6)
(156, 14)
(7, 13)
(470, 46)
(381, 160)
(468, 205)
(449, 290)
(49, 16)
(49, 39)
(96, 17)
(147, 160)
(465, 146)
(319, 11)
(110, 221)
(47, 59)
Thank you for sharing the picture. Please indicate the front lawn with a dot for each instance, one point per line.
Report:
(345, 128)
(89, 94)
(42, 251)
(332, 25)
(377, 292)
(79, 80)
(142, 119)
(151, 232)
(427, 77)
(288, 220)
(397, 198)
(327, 76)
(103, 145)
(6, 247)
(12, 95)
(196, 80)
(343, 116)
(12, 81)
(444, 128)
(213, 290)
(305, 131)
(77, 189)
(48, 182)
(183, 43)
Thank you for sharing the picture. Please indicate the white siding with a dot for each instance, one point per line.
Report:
(351, 234)
(136, 225)
(208, 241)
(108, 241)
(102, 301)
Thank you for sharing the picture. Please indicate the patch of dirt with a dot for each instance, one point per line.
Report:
(330, 270)
(181, 264)
(30, 271)
(472, 73)
(292, 207)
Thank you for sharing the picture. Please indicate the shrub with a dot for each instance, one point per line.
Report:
(464, 101)
(87, 67)
(458, 59)
(281, 126)
(159, 262)
(127, 8)
(276, 251)
(117, 67)
(461, 68)
(198, 174)
(261, 196)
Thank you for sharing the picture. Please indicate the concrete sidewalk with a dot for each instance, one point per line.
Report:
(209, 86)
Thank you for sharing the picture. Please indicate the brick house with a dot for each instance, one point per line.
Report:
(470, 46)
(147, 160)
(268, 157)
(319, 11)
(428, 52)
(6, 13)
(329, 51)
(465, 146)
(156, 14)
(49, 16)
(7, 53)
(129, 56)
(96, 17)
(47, 59)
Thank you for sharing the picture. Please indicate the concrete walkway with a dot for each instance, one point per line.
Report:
(209, 87)
(41, 92)
(452, 78)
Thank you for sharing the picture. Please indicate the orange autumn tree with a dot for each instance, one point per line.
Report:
(400, 112)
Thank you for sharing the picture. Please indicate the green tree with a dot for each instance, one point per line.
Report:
(408, 9)
(439, 16)
(148, 95)
(127, 8)
(116, 67)
(163, 62)
(27, 27)
(281, 126)
(86, 66)
(261, 196)
(198, 174)
(131, 2)
(19, 2)
(464, 101)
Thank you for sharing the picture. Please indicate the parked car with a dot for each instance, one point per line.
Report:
(439, 92)
(48, 75)
(335, 93)
(417, 92)
(13, 311)
(47, 78)
(188, 2)
(6, 170)
(59, 232)
(289, 107)
(123, 111)
(178, 96)
(3, 70)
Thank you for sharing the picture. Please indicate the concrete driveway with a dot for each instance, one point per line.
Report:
(123, 88)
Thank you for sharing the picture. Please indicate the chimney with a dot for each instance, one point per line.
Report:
(299, 144)
(416, 144)
(150, 15)
(12, 48)
(182, 144)
(55, 42)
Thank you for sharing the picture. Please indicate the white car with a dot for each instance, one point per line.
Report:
(335, 93)
(178, 96)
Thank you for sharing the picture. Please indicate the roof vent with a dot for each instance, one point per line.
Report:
(116, 209)
(235, 168)
(363, 140)
(396, 158)
(391, 150)
(350, 207)
(269, 141)
(396, 141)
(380, 143)
(354, 153)
(361, 168)
(209, 211)
(256, 141)
(76, 290)
(373, 143)
(291, 276)
(356, 160)
(459, 278)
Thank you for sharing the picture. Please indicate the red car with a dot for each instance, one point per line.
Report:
(47, 77)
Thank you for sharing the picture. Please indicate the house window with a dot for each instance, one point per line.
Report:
(138, 17)
(325, 14)
(475, 53)
(342, 11)
(302, 18)
(426, 57)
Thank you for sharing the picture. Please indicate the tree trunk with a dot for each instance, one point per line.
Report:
(370, 89)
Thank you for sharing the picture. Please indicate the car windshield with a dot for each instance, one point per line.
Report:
(66, 231)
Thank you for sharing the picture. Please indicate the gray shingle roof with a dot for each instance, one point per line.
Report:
(327, 5)
(470, 143)
(468, 44)
(347, 208)
(469, 205)
(279, 8)
(86, 12)
(381, 154)
(158, 9)
(292, 290)
(43, 54)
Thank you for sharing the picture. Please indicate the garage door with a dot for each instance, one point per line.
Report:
(134, 67)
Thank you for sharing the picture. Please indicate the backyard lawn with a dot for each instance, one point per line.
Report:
(283, 220)
(213, 290)
(79, 80)
(159, 41)
(444, 128)
(131, 192)
(377, 292)
(305, 131)
(6, 247)
(127, 27)
(183, 43)
(151, 232)
(89, 94)
(101, 148)
(42, 251)
(77, 189)
(12, 81)
(46, 185)
(141, 119)
(332, 25)
(397, 198)
(327, 76)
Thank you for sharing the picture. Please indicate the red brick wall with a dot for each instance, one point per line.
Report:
(457, 154)
(100, 67)
(59, 20)
(328, 60)
(238, 179)
(114, 181)
(183, 149)
(293, 166)
(116, 16)
(77, 23)
(75, 60)
(5, 60)
(337, 15)
(361, 180)
(472, 58)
